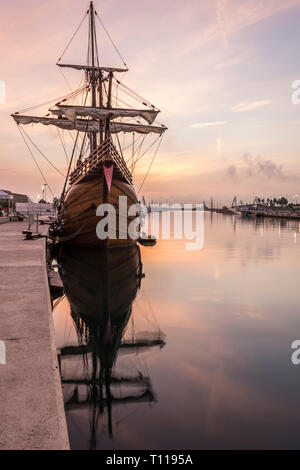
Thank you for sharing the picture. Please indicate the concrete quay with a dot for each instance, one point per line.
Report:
(32, 413)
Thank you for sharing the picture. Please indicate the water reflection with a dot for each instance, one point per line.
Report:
(100, 287)
(230, 312)
(267, 222)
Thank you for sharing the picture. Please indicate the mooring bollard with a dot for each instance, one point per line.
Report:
(29, 234)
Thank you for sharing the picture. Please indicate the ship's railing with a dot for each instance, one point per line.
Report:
(106, 151)
(120, 163)
(90, 163)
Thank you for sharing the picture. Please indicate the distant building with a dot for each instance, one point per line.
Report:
(16, 198)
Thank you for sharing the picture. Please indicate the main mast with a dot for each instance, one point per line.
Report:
(98, 117)
(93, 138)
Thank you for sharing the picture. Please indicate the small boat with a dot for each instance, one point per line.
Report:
(98, 171)
(149, 241)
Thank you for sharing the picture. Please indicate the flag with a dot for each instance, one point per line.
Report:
(108, 173)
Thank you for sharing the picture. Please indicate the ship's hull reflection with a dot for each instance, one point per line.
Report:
(101, 287)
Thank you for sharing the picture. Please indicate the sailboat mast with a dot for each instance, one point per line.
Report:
(101, 105)
(109, 103)
(93, 76)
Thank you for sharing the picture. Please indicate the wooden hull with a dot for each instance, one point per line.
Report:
(79, 218)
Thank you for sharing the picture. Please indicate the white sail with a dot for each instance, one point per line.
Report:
(116, 127)
(83, 125)
(72, 112)
(66, 124)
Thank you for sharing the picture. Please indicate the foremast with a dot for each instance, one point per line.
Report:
(93, 80)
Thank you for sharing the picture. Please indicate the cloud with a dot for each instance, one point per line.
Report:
(231, 171)
(250, 105)
(200, 125)
(256, 167)
(219, 145)
(221, 20)
(232, 16)
(229, 63)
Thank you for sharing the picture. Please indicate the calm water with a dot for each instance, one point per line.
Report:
(220, 375)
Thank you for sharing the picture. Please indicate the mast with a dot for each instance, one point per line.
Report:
(109, 104)
(100, 118)
(101, 104)
(93, 73)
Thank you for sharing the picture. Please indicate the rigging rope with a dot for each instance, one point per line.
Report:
(117, 95)
(110, 38)
(89, 45)
(132, 153)
(128, 146)
(74, 94)
(138, 97)
(69, 169)
(96, 45)
(138, 153)
(65, 79)
(149, 148)
(35, 161)
(63, 146)
(119, 144)
(55, 100)
(73, 140)
(71, 160)
(55, 168)
(133, 96)
(56, 304)
(122, 101)
(71, 40)
(150, 166)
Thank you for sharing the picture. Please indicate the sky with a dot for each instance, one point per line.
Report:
(220, 71)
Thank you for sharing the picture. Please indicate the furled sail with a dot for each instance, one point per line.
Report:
(90, 67)
(116, 127)
(72, 112)
(84, 125)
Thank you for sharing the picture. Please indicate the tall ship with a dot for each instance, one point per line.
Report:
(101, 123)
